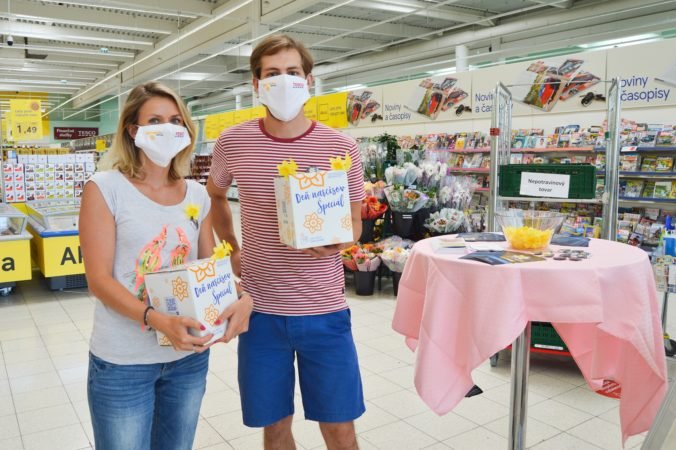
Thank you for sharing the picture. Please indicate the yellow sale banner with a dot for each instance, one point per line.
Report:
(25, 117)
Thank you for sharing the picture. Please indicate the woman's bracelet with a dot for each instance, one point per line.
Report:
(145, 315)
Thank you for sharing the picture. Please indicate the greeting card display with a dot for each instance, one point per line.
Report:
(313, 209)
(200, 289)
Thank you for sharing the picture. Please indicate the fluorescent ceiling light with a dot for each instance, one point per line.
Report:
(120, 8)
(81, 51)
(181, 36)
(446, 71)
(626, 44)
(620, 41)
(30, 63)
(352, 87)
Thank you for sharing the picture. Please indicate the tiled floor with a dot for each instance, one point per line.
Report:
(43, 404)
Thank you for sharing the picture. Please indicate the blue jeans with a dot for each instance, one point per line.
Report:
(146, 406)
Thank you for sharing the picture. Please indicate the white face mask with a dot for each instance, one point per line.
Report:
(162, 142)
(284, 95)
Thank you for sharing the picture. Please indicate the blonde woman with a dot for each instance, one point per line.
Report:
(138, 217)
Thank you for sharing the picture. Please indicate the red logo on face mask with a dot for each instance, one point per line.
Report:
(180, 134)
(298, 85)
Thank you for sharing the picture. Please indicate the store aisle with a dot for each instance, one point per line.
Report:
(43, 404)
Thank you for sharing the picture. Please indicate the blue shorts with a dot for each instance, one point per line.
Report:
(328, 368)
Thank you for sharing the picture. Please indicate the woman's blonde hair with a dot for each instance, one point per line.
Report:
(123, 154)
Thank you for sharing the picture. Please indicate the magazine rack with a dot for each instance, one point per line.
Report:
(501, 143)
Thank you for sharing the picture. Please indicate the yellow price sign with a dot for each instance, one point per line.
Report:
(100, 145)
(258, 112)
(332, 109)
(212, 127)
(25, 117)
(310, 109)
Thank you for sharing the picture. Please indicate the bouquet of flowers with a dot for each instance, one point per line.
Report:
(395, 252)
(376, 189)
(448, 220)
(404, 175)
(405, 200)
(371, 208)
(362, 258)
(456, 192)
(373, 155)
(395, 258)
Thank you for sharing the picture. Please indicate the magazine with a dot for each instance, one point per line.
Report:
(629, 163)
(647, 139)
(664, 164)
(634, 188)
(649, 189)
(516, 158)
(475, 162)
(662, 189)
(665, 139)
(648, 164)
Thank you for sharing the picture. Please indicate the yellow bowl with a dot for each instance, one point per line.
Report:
(529, 230)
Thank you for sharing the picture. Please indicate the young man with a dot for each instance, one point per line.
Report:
(299, 298)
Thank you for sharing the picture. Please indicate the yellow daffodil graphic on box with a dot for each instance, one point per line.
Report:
(222, 250)
(204, 271)
(179, 288)
(155, 302)
(313, 223)
(339, 163)
(210, 315)
(346, 222)
(287, 168)
(307, 180)
(192, 212)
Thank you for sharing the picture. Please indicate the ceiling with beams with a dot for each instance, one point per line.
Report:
(83, 54)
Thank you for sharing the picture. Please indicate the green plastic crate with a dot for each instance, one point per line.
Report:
(543, 335)
(582, 178)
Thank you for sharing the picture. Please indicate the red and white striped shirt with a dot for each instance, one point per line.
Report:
(281, 280)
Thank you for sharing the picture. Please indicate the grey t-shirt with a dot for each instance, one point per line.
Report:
(148, 236)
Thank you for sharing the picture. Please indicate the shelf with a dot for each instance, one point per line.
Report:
(468, 169)
(555, 149)
(645, 149)
(551, 200)
(643, 174)
(647, 200)
(470, 150)
(482, 189)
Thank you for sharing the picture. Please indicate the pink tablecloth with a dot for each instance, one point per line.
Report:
(457, 313)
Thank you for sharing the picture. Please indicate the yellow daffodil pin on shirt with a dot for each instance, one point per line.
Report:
(287, 168)
(339, 163)
(192, 212)
(222, 250)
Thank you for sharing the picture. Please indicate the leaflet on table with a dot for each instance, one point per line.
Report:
(201, 290)
(496, 258)
(313, 209)
(449, 244)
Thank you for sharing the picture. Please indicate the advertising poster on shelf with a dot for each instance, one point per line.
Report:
(365, 107)
(648, 74)
(431, 99)
(554, 84)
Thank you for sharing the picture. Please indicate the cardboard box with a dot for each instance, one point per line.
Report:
(201, 290)
(313, 209)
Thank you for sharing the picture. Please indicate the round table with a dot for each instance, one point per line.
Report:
(457, 313)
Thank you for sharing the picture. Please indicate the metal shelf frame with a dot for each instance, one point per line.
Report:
(501, 140)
